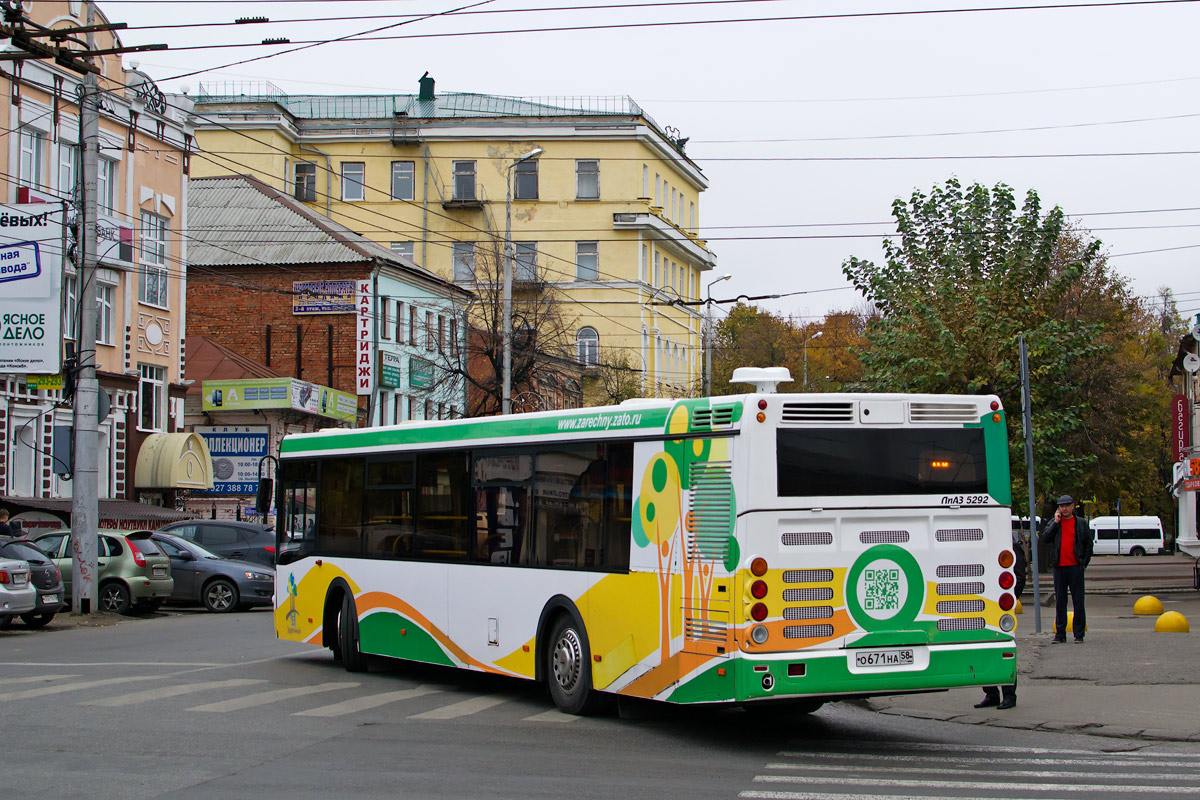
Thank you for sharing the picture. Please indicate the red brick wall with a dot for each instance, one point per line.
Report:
(234, 306)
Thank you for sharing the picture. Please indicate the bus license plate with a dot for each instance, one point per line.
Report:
(900, 657)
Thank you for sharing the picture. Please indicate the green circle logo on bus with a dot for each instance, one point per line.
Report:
(885, 589)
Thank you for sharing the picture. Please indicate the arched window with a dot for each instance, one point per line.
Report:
(587, 344)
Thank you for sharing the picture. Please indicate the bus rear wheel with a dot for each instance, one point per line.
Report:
(569, 669)
(1137, 551)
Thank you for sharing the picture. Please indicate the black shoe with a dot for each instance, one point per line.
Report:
(1078, 640)
(1007, 703)
(988, 701)
(1058, 640)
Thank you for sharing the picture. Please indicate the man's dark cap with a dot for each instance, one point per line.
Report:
(1066, 500)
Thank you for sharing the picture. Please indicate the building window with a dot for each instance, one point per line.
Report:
(404, 180)
(69, 312)
(385, 322)
(464, 180)
(587, 261)
(657, 273)
(153, 280)
(31, 167)
(587, 180)
(106, 185)
(405, 249)
(657, 190)
(104, 313)
(397, 412)
(645, 181)
(526, 180)
(67, 159)
(354, 181)
(152, 397)
(430, 341)
(306, 182)
(587, 345)
(412, 325)
(441, 333)
(692, 217)
(464, 261)
(525, 261)
(412, 407)
(399, 322)
(428, 409)
(673, 277)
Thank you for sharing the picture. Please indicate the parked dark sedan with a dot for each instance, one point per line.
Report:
(44, 576)
(220, 584)
(238, 540)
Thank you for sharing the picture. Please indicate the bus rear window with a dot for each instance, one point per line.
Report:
(856, 461)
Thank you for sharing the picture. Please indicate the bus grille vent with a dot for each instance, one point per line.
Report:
(953, 589)
(970, 624)
(794, 538)
(807, 575)
(807, 595)
(704, 630)
(711, 510)
(883, 537)
(807, 631)
(960, 607)
(943, 412)
(721, 417)
(960, 571)
(808, 612)
(960, 535)
(817, 412)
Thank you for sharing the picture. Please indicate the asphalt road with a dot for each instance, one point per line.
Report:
(195, 705)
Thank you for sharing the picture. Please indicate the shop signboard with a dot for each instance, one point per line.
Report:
(31, 244)
(236, 452)
(322, 297)
(420, 373)
(264, 393)
(364, 380)
(1181, 426)
(389, 369)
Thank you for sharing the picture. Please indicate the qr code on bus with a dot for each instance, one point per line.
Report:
(883, 589)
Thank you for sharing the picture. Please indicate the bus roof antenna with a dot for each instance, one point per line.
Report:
(764, 379)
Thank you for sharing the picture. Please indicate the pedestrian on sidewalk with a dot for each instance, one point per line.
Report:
(1069, 538)
(991, 694)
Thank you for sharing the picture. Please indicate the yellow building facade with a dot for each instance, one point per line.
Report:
(604, 204)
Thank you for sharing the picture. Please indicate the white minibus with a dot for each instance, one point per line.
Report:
(1135, 536)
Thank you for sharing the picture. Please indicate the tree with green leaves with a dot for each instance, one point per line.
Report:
(965, 277)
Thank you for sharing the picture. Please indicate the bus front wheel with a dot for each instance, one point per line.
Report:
(1137, 551)
(569, 669)
(352, 656)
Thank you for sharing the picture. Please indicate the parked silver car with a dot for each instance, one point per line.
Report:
(17, 595)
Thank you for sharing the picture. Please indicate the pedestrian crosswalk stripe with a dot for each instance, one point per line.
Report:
(356, 704)
(1004, 772)
(44, 691)
(553, 715)
(822, 755)
(163, 692)
(37, 679)
(855, 744)
(751, 795)
(973, 785)
(462, 708)
(273, 696)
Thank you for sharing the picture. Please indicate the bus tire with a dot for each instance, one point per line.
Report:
(330, 627)
(569, 668)
(1137, 551)
(352, 657)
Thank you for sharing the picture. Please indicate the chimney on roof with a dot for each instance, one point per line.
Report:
(426, 87)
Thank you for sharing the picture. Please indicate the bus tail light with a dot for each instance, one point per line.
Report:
(759, 589)
(758, 612)
(758, 567)
(1006, 602)
(1006, 580)
(1006, 559)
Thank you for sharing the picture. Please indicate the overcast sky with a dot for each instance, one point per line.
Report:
(894, 94)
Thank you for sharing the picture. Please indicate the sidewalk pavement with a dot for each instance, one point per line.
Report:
(1125, 680)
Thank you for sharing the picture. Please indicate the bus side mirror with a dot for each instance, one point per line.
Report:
(262, 501)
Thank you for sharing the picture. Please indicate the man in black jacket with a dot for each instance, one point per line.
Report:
(1069, 538)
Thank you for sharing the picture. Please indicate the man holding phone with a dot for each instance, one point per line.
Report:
(1070, 540)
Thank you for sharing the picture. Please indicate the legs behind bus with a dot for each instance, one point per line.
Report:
(992, 697)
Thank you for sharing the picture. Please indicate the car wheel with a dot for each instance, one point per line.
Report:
(114, 597)
(220, 596)
(352, 656)
(5, 622)
(36, 620)
(569, 669)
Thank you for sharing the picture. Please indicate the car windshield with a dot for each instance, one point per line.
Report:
(25, 552)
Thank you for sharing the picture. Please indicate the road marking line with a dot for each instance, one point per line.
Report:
(974, 785)
(38, 679)
(1100, 762)
(164, 692)
(273, 696)
(840, 796)
(553, 715)
(27, 694)
(462, 708)
(363, 703)
(853, 744)
(1165, 776)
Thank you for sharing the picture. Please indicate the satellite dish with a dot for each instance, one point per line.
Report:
(1196, 331)
(1191, 362)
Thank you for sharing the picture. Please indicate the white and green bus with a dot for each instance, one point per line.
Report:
(744, 549)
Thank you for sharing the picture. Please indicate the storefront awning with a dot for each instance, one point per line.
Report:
(173, 461)
(114, 514)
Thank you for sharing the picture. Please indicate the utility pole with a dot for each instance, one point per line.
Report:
(1027, 423)
(85, 513)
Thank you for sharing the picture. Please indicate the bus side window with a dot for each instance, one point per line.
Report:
(388, 519)
(442, 506)
(618, 514)
(339, 526)
(299, 529)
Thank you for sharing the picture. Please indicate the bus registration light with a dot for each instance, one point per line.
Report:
(758, 567)
(759, 611)
(758, 634)
(1006, 580)
(1006, 602)
(759, 589)
(1006, 559)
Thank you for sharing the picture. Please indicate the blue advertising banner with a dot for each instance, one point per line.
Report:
(323, 297)
(236, 451)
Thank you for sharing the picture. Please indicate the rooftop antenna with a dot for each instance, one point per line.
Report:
(763, 379)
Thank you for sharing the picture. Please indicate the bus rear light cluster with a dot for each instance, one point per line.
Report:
(1006, 602)
(758, 567)
(758, 612)
(995, 405)
(758, 634)
(1006, 559)
(1007, 622)
(1006, 580)
(762, 405)
(759, 589)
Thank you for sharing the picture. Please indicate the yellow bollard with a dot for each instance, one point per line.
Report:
(1071, 623)
(1148, 606)
(1172, 622)
(1018, 608)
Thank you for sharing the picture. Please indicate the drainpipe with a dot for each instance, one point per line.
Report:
(425, 211)
(328, 176)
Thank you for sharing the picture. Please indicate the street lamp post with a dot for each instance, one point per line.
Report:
(708, 334)
(506, 334)
(816, 335)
